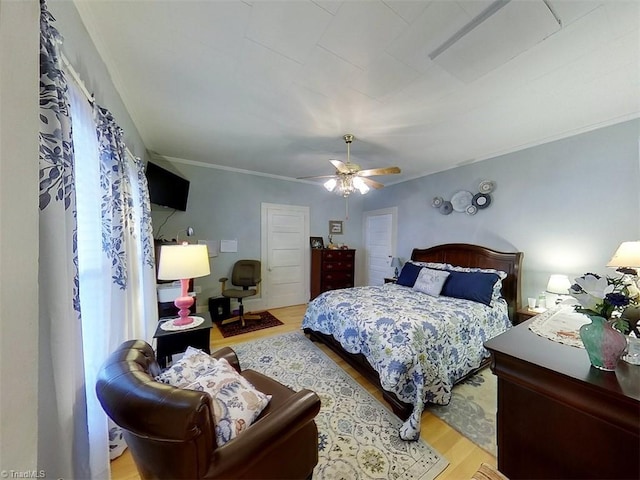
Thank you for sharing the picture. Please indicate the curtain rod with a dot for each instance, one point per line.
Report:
(83, 88)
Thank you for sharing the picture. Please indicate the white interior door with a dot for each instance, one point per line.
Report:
(380, 228)
(285, 255)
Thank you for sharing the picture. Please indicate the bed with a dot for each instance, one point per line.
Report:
(412, 345)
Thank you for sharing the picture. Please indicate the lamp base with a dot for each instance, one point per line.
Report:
(183, 304)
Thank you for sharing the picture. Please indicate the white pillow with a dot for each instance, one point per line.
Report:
(236, 403)
(193, 363)
(430, 281)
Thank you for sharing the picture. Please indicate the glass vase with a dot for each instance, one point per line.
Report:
(632, 355)
(604, 344)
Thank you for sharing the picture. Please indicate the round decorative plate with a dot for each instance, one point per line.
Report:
(461, 200)
(471, 210)
(446, 208)
(481, 200)
(486, 186)
(436, 202)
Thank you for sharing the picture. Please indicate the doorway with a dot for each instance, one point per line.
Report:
(380, 231)
(285, 255)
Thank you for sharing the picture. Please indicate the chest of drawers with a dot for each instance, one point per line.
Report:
(331, 269)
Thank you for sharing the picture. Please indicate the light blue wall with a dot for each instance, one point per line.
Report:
(227, 205)
(566, 204)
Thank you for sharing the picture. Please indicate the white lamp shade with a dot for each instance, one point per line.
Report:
(627, 255)
(183, 261)
(360, 185)
(559, 284)
(330, 184)
(395, 262)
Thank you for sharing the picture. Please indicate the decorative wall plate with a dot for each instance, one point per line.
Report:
(486, 186)
(436, 202)
(461, 200)
(446, 208)
(471, 210)
(481, 200)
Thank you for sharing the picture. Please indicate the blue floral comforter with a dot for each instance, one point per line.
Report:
(420, 345)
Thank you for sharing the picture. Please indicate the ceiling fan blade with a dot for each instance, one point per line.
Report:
(340, 167)
(316, 176)
(379, 171)
(372, 183)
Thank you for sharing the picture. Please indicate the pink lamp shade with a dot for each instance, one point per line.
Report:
(183, 262)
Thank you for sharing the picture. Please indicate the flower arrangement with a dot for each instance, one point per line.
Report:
(607, 297)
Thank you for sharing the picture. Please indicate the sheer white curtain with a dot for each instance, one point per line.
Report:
(115, 253)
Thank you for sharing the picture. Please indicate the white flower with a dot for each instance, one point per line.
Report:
(589, 290)
(594, 285)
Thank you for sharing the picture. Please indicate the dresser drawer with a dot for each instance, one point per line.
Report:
(336, 286)
(338, 265)
(337, 255)
(337, 276)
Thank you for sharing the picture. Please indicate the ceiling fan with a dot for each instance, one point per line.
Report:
(349, 177)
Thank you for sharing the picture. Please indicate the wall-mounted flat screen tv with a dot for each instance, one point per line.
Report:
(166, 188)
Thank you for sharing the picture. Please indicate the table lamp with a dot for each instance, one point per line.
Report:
(183, 262)
(395, 263)
(627, 256)
(560, 285)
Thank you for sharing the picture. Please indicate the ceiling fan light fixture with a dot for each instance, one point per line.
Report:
(330, 184)
(350, 177)
(360, 185)
(345, 186)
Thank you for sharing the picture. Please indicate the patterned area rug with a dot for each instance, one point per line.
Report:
(472, 410)
(358, 437)
(266, 320)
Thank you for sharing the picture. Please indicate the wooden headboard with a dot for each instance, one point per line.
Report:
(465, 255)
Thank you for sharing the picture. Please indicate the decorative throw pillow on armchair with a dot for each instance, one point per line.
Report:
(236, 402)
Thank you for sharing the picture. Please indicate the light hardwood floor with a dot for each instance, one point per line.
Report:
(463, 455)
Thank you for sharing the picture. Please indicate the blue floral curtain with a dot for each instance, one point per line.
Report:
(62, 406)
(119, 218)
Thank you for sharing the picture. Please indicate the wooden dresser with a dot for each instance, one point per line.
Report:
(331, 269)
(558, 417)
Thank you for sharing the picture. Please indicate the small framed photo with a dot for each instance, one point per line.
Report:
(316, 242)
(335, 227)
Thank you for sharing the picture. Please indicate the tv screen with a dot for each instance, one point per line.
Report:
(166, 188)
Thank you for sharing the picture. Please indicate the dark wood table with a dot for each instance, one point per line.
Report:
(558, 417)
(170, 342)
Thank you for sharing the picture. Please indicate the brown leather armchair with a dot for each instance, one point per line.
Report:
(170, 431)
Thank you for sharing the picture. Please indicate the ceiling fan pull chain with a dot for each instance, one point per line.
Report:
(346, 208)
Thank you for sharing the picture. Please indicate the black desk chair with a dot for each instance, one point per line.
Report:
(245, 274)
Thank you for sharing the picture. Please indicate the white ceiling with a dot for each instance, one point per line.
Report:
(272, 86)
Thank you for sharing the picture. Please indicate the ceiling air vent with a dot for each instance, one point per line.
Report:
(501, 32)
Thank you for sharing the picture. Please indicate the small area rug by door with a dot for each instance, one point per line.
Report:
(235, 328)
(358, 437)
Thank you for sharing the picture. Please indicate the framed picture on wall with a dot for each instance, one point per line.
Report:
(335, 227)
(316, 242)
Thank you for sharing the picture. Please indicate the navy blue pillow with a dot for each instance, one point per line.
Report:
(408, 275)
(476, 286)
